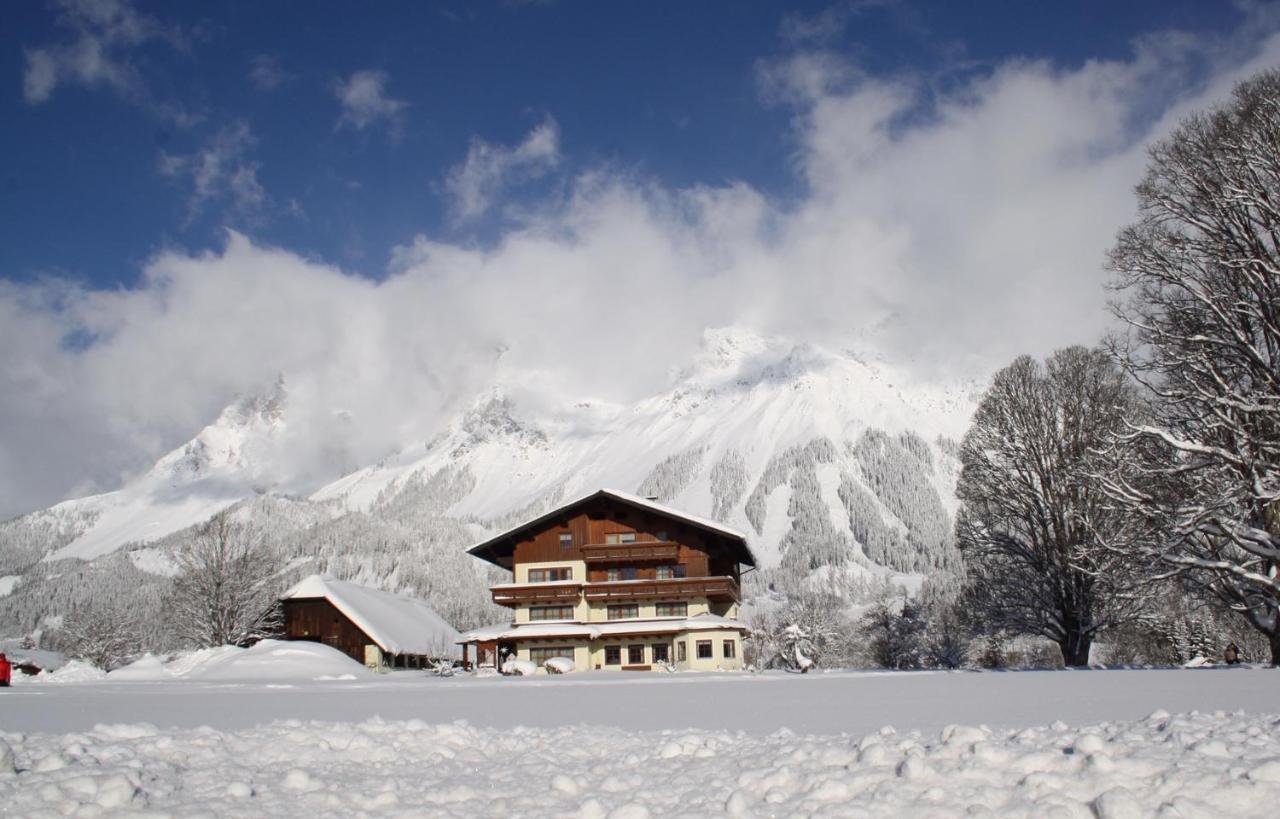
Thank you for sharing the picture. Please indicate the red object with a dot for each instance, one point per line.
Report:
(5, 669)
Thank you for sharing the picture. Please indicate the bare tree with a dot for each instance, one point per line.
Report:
(1031, 522)
(1200, 276)
(105, 635)
(226, 588)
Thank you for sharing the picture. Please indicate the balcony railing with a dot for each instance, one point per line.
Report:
(630, 552)
(515, 594)
(720, 589)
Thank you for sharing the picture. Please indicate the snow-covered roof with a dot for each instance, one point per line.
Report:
(397, 623)
(744, 554)
(595, 631)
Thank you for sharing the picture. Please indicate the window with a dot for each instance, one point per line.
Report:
(550, 575)
(566, 540)
(704, 650)
(624, 612)
(668, 571)
(635, 654)
(682, 651)
(551, 612)
(670, 609)
(613, 655)
(660, 536)
(661, 653)
(621, 573)
(620, 537)
(540, 654)
(730, 649)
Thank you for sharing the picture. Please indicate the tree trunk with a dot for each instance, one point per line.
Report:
(1075, 649)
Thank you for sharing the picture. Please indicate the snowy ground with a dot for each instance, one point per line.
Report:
(1037, 743)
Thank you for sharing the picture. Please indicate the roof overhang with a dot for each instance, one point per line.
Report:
(502, 545)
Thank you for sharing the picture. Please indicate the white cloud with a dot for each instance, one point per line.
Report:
(266, 73)
(949, 229)
(365, 102)
(103, 35)
(220, 171)
(489, 168)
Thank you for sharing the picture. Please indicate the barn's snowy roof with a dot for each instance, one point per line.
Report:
(486, 549)
(398, 624)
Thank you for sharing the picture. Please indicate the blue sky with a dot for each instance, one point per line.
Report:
(401, 209)
(668, 90)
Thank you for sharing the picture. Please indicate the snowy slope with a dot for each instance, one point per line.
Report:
(837, 468)
(222, 465)
(746, 398)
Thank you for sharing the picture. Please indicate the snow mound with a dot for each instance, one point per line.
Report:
(280, 660)
(147, 667)
(520, 668)
(74, 671)
(559, 665)
(380, 767)
(193, 663)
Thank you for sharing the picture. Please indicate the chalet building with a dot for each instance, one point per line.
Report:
(377, 628)
(617, 582)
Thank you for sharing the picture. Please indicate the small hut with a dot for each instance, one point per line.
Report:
(377, 628)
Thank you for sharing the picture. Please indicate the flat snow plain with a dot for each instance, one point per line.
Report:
(1203, 742)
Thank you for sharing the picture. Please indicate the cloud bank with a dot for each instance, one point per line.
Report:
(949, 228)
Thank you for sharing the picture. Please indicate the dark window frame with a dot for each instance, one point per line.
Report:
(634, 608)
(541, 610)
(709, 647)
(664, 650)
(730, 650)
(549, 652)
(681, 606)
(613, 655)
(632, 650)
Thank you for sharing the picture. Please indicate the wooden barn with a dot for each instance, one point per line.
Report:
(377, 628)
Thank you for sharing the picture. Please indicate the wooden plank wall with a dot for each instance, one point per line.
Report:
(319, 620)
(700, 553)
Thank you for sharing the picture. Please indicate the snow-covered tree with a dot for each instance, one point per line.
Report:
(895, 633)
(107, 636)
(1199, 273)
(1032, 521)
(227, 586)
(810, 631)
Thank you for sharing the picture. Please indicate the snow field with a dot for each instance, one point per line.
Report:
(1193, 764)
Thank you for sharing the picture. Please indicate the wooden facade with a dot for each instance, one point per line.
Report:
(319, 621)
(594, 531)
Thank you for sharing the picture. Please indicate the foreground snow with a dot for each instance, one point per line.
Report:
(1185, 765)
(230, 732)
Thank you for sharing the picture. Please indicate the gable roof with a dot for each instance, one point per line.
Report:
(486, 549)
(397, 623)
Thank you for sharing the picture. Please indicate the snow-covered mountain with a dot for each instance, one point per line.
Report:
(831, 463)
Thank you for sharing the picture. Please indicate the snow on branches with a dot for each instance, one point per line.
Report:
(1199, 273)
(1033, 524)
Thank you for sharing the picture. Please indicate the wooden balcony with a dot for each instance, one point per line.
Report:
(630, 552)
(718, 589)
(515, 595)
